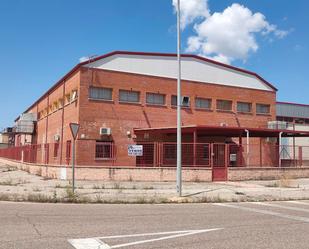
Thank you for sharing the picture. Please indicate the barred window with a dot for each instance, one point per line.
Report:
(100, 93)
(170, 151)
(244, 107)
(262, 108)
(224, 105)
(203, 103)
(129, 96)
(104, 150)
(155, 98)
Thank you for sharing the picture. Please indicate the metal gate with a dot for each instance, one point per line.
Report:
(219, 161)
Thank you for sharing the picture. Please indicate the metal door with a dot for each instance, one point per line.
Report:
(219, 161)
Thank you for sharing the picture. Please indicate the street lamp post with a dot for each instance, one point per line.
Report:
(179, 100)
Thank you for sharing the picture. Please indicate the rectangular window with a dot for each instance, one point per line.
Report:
(67, 98)
(244, 107)
(68, 151)
(129, 96)
(262, 108)
(60, 102)
(104, 150)
(73, 95)
(55, 106)
(185, 101)
(203, 103)
(174, 100)
(155, 98)
(224, 105)
(56, 149)
(100, 93)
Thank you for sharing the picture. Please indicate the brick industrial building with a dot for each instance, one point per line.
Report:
(125, 98)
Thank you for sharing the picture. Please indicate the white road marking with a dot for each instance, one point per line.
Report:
(91, 243)
(146, 234)
(281, 206)
(96, 243)
(262, 211)
(300, 203)
(165, 238)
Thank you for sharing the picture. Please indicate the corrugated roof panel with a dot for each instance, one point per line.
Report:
(292, 110)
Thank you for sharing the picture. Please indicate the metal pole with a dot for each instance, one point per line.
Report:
(179, 166)
(248, 147)
(280, 145)
(73, 166)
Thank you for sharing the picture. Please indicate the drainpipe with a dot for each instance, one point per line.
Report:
(280, 144)
(248, 147)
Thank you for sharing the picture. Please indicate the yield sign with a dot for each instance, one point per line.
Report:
(74, 129)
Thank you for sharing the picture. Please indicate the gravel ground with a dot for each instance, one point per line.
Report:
(19, 185)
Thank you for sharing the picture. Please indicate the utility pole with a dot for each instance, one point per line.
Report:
(179, 104)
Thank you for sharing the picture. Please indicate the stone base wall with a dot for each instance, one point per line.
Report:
(266, 173)
(113, 173)
(156, 174)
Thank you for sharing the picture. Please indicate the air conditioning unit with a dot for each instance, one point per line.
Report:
(105, 131)
(56, 137)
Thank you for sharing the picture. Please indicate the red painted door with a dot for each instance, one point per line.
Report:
(219, 162)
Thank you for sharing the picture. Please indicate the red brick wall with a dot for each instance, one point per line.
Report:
(122, 117)
(58, 121)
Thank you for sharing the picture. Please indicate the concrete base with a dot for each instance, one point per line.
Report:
(156, 174)
(113, 173)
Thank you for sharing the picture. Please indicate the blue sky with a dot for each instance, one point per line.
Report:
(42, 40)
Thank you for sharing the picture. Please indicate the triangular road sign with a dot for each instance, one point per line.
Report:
(74, 129)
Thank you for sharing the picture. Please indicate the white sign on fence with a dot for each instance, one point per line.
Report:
(135, 150)
(233, 157)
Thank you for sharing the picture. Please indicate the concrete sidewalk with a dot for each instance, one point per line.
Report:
(17, 185)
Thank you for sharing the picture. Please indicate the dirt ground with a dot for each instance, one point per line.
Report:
(17, 185)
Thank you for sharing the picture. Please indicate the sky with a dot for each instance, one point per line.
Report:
(40, 41)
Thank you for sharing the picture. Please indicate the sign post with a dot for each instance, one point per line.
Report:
(74, 130)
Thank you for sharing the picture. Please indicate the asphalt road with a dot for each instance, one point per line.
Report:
(235, 225)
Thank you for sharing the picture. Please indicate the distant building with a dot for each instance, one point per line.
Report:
(7, 137)
(294, 116)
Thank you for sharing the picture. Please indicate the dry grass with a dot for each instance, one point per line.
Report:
(9, 169)
(272, 185)
(286, 181)
(8, 182)
(148, 187)
(36, 189)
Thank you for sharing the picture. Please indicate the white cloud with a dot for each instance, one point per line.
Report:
(228, 35)
(191, 10)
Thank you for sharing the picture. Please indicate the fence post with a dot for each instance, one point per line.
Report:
(300, 155)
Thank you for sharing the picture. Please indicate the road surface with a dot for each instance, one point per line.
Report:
(224, 225)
